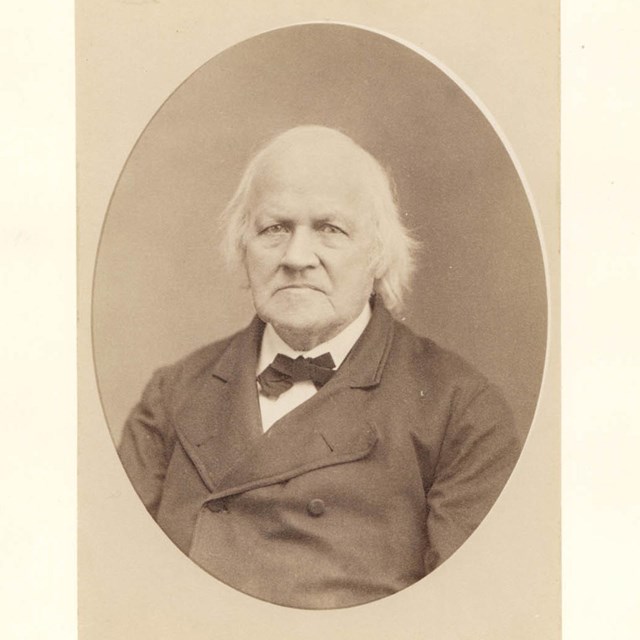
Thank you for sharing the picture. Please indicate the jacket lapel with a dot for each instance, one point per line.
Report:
(223, 434)
(222, 416)
(327, 429)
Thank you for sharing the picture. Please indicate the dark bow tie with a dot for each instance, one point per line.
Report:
(284, 371)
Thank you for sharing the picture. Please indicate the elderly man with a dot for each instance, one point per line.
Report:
(325, 456)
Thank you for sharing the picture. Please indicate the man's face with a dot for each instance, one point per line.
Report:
(309, 243)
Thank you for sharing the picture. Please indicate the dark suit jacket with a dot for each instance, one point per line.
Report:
(357, 493)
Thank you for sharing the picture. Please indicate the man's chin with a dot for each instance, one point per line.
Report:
(295, 296)
(297, 307)
(297, 322)
(304, 327)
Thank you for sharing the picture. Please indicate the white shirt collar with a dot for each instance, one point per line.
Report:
(338, 346)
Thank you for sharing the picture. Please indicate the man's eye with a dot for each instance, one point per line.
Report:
(330, 228)
(274, 229)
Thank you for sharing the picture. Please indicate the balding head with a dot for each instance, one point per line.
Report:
(325, 161)
(312, 152)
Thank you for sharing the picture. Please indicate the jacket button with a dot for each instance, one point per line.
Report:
(316, 507)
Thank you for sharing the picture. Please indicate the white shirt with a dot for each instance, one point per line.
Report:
(272, 409)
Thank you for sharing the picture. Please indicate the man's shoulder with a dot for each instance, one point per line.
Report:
(427, 359)
(419, 363)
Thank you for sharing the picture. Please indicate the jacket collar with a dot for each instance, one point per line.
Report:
(241, 355)
(364, 365)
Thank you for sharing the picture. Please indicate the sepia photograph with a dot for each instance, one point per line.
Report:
(283, 322)
(319, 316)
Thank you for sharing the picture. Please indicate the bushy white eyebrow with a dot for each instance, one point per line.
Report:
(269, 213)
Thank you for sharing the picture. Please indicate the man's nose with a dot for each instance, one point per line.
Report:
(300, 251)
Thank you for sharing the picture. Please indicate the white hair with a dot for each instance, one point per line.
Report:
(394, 248)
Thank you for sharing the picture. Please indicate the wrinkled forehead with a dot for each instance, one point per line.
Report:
(315, 166)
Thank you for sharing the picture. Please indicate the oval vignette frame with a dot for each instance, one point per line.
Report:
(480, 287)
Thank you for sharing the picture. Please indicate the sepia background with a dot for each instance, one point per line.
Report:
(475, 299)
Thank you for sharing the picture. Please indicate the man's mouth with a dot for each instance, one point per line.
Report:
(299, 286)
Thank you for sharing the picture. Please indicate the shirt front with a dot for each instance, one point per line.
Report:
(272, 409)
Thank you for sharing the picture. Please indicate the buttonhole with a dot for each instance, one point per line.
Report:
(326, 441)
